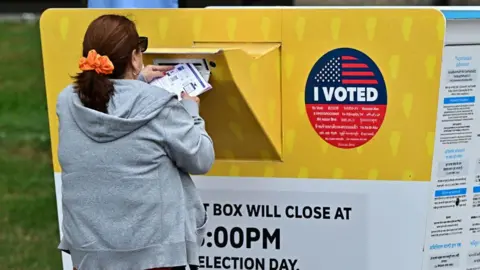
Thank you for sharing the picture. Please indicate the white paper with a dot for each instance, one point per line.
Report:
(200, 64)
(183, 77)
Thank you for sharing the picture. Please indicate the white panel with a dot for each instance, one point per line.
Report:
(394, 218)
(395, 215)
(462, 32)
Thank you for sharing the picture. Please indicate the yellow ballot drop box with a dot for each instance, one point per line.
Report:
(325, 123)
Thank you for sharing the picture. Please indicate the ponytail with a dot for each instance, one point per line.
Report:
(93, 86)
(94, 90)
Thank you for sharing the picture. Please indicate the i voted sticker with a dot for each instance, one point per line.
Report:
(346, 98)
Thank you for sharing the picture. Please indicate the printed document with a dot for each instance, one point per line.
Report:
(183, 77)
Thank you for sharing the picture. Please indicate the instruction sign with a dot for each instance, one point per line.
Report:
(261, 230)
(453, 227)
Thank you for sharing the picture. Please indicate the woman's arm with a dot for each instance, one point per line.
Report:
(185, 138)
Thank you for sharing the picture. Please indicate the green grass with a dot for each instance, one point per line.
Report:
(28, 219)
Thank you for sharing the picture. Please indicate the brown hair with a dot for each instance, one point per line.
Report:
(114, 36)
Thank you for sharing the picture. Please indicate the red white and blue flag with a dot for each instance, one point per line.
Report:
(347, 70)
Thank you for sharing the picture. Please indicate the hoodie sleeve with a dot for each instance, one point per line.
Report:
(141, 78)
(186, 141)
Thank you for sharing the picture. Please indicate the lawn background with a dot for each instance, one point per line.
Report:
(28, 217)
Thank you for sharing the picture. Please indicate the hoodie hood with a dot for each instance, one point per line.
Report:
(133, 104)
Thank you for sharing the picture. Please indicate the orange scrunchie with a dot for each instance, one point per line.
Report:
(94, 61)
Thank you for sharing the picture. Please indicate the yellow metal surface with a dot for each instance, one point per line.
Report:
(406, 44)
(243, 77)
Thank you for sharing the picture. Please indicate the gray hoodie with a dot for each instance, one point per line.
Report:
(128, 200)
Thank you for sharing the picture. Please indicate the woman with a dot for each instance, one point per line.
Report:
(126, 149)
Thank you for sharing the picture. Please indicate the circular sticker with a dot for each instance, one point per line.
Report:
(346, 98)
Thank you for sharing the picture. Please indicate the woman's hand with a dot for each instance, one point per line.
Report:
(184, 95)
(152, 72)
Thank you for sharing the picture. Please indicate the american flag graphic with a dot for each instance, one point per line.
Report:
(347, 70)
